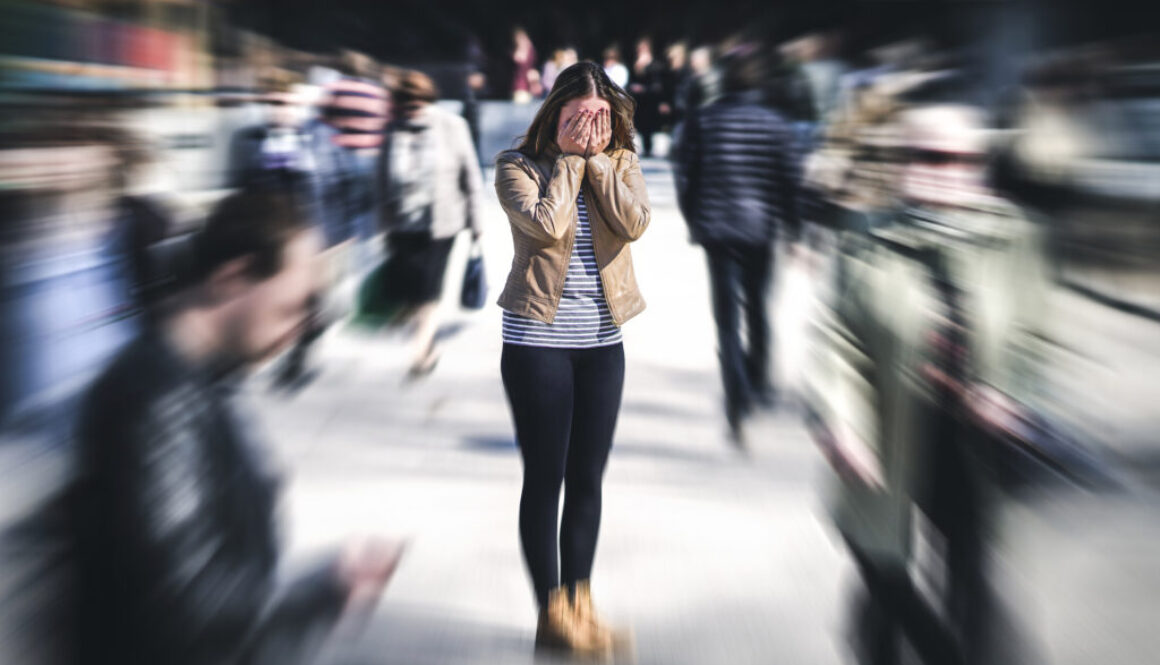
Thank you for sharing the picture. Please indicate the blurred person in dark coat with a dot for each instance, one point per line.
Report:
(646, 85)
(737, 188)
(677, 71)
(174, 503)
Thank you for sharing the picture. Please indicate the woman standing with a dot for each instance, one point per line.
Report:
(575, 197)
(431, 191)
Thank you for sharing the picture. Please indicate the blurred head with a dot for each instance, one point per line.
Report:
(701, 60)
(677, 56)
(281, 104)
(353, 63)
(255, 273)
(644, 46)
(281, 109)
(581, 86)
(744, 68)
(946, 147)
(568, 57)
(413, 93)
(612, 55)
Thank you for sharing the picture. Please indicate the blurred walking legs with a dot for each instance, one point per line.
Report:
(740, 277)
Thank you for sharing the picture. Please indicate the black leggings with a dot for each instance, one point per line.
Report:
(564, 404)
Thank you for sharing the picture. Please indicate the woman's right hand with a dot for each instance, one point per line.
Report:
(574, 135)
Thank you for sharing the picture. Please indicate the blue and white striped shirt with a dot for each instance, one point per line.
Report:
(582, 319)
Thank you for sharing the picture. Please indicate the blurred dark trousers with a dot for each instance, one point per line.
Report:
(955, 499)
(739, 277)
(892, 609)
(564, 403)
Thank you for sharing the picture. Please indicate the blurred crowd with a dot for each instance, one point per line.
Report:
(935, 212)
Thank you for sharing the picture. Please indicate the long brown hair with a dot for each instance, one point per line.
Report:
(582, 79)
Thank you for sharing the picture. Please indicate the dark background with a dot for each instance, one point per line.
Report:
(426, 32)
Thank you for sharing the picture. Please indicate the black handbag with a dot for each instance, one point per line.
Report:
(474, 292)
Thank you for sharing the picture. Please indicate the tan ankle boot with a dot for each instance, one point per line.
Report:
(559, 630)
(619, 641)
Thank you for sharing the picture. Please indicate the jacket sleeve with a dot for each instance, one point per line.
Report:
(470, 177)
(547, 217)
(621, 197)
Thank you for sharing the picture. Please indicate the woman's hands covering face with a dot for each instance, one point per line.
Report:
(600, 134)
(574, 135)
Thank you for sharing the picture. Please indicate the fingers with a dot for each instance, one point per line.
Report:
(581, 132)
(570, 125)
(599, 132)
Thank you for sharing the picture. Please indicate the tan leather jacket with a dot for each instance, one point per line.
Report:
(539, 197)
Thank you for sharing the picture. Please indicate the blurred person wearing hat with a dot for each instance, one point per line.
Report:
(928, 354)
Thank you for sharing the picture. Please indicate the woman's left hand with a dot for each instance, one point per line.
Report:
(601, 134)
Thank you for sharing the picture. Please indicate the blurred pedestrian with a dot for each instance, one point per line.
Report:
(274, 154)
(431, 191)
(525, 76)
(347, 140)
(737, 189)
(823, 69)
(562, 59)
(343, 144)
(476, 84)
(141, 223)
(614, 68)
(703, 85)
(77, 280)
(175, 500)
(930, 364)
(575, 197)
(676, 72)
(647, 86)
(988, 268)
